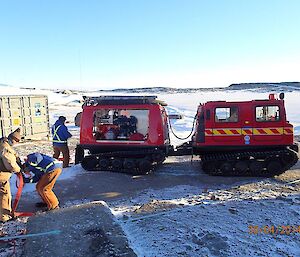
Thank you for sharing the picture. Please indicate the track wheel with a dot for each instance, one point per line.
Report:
(144, 166)
(288, 158)
(89, 162)
(103, 164)
(209, 167)
(117, 164)
(256, 167)
(241, 167)
(129, 164)
(158, 157)
(274, 167)
(226, 168)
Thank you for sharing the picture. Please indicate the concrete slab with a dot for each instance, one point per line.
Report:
(88, 230)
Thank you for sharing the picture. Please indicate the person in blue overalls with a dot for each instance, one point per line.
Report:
(60, 135)
(44, 170)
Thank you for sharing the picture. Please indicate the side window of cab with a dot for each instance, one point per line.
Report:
(267, 113)
(226, 114)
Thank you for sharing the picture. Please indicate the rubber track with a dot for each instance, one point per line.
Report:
(129, 155)
(263, 156)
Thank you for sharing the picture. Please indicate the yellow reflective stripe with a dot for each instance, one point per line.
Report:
(55, 135)
(233, 132)
(248, 131)
(208, 132)
(56, 141)
(227, 132)
(41, 169)
(288, 131)
(55, 132)
(49, 165)
(268, 131)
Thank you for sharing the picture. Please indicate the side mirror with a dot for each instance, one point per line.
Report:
(281, 96)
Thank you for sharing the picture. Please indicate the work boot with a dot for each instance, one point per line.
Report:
(46, 209)
(6, 218)
(55, 208)
(40, 205)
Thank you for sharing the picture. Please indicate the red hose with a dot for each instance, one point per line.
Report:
(18, 196)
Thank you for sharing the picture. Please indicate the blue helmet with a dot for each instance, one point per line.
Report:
(34, 159)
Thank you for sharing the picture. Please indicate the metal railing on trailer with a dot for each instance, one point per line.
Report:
(107, 100)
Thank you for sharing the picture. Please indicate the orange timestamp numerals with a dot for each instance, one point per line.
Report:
(274, 230)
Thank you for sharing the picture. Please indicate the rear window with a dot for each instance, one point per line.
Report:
(121, 124)
(226, 114)
(267, 113)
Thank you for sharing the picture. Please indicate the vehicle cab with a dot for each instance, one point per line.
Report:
(222, 124)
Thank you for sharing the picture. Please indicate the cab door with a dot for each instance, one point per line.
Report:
(227, 124)
(268, 123)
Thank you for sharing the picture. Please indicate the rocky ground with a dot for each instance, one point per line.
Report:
(258, 217)
(180, 211)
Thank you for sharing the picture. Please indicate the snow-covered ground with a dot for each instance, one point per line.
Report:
(194, 221)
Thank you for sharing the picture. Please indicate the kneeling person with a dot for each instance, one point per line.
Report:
(46, 171)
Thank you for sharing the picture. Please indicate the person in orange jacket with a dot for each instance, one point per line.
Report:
(8, 166)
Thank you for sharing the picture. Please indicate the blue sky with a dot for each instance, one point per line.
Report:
(138, 43)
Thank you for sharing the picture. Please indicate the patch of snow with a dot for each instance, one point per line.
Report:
(67, 173)
(198, 224)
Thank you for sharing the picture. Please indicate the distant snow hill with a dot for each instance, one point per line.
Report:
(282, 86)
(262, 87)
(4, 85)
(257, 87)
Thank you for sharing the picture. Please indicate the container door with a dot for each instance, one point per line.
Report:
(39, 116)
(25, 104)
(11, 114)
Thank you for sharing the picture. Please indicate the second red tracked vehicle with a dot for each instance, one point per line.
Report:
(249, 138)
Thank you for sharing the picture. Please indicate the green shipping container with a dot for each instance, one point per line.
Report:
(28, 112)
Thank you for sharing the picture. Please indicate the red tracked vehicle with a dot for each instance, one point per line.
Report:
(123, 133)
(131, 134)
(245, 138)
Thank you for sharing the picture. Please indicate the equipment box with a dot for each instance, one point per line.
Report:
(30, 113)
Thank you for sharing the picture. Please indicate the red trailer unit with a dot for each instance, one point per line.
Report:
(128, 133)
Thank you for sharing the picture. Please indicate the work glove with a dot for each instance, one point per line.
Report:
(30, 177)
(20, 164)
